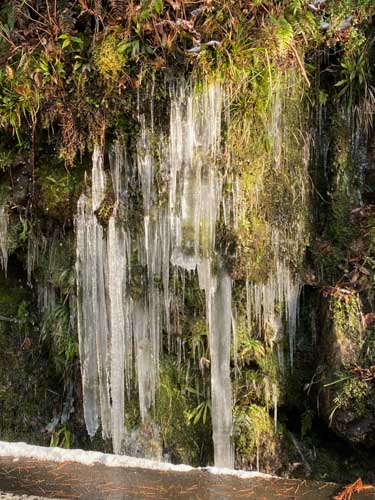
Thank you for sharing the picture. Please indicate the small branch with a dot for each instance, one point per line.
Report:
(300, 64)
(307, 466)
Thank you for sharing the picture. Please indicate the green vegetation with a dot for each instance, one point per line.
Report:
(258, 443)
(183, 418)
(77, 73)
(61, 438)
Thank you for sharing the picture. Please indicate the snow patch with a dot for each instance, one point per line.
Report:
(241, 474)
(23, 450)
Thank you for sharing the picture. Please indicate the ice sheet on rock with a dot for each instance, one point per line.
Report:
(195, 187)
(23, 450)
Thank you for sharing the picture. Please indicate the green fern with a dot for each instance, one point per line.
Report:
(61, 438)
(296, 6)
(201, 411)
(284, 34)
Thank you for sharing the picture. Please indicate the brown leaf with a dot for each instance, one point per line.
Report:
(368, 319)
(38, 79)
(27, 343)
(364, 270)
(354, 277)
(159, 63)
(170, 39)
(9, 72)
(21, 89)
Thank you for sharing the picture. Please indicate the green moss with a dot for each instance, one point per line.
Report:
(185, 441)
(347, 329)
(58, 190)
(344, 195)
(256, 439)
(348, 398)
(105, 210)
(25, 400)
(109, 56)
(11, 297)
(341, 230)
(353, 395)
(270, 162)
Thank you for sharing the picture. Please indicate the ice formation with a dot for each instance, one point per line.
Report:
(18, 451)
(275, 302)
(4, 237)
(281, 290)
(116, 330)
(126, 281)
(194, 147)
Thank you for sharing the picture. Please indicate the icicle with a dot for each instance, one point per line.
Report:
(145, 166)
(99, 273)
(98, 178)
(116, 288)
(276, 324)
(36, 250)
(235, 341)
(4, 237)
(194, 201)
(221, 390)
(86, 330)
(144, 361)
(93, 328)
(32, 252)
(46, 297)
(248, 305)
(119, 171)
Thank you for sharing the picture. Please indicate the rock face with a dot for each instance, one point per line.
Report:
(345, 384)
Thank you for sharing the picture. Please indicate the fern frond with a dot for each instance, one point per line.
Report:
(66, 21)
(305, 25)
(118, 8)
(296, 6)
(284, 34)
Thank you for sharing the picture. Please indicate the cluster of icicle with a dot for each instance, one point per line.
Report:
(275, 303)
(41, 264)
(118, 332)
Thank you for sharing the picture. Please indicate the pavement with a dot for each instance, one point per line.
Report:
(70, 480)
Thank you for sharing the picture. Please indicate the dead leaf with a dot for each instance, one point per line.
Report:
(9, 72)
(368, 319)
(364, 270)
(355, 277)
